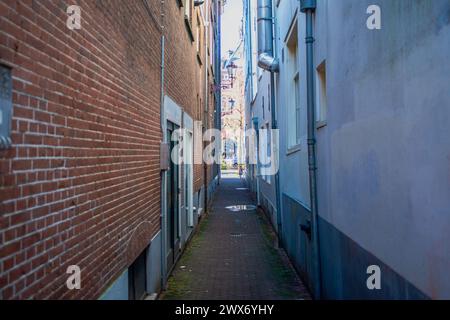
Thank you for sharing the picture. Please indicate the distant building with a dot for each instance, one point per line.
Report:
(232, 110)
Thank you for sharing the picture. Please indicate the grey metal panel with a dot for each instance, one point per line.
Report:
(154, 265)
(118, 290)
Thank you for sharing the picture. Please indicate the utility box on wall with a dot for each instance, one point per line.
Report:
(5, 107)
(164, 158)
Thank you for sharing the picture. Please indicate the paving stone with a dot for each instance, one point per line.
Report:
(234, 256)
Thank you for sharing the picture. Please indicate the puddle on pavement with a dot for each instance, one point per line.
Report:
(242, 189)
(237, 235)
(241, 207)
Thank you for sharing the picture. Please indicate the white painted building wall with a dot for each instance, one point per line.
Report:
(383, 149)
(384, 156)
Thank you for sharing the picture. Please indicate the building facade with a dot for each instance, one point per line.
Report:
(90, 97)
(258, 116)
(233, 133)
(381, 138)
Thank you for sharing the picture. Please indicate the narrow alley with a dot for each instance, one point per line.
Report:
(224, 150)
(234, 254)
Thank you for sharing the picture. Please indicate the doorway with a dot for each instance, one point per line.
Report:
(189, 177)
(173, 196)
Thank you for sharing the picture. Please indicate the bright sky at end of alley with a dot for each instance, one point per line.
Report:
(231, 25)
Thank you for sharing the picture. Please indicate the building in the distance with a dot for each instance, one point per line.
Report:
(233, 116)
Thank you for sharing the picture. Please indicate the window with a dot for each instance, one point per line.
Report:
(266, 143)
(293, 87)
(321, 95)
(187, 9)
(137, 278)
(263, 109)
(297, 106)
(5, 107)
(198, 35)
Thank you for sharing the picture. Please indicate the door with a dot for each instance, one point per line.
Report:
(173, 190)
(189, 178)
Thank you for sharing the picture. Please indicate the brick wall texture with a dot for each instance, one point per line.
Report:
(83, 173)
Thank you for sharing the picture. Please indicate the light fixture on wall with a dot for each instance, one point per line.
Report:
(232, 103)
(231, 69)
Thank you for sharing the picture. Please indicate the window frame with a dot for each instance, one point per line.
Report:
(188, 16)
(293, 140)
(321, 95)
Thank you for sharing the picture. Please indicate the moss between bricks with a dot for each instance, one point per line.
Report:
(283, 275)
(180, 281)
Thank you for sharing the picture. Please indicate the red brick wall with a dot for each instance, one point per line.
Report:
(83, 172)
(185, 74)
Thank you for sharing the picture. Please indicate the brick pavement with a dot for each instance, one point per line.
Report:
(234, 256)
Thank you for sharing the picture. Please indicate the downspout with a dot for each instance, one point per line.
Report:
(206, 111)
(218, 76)
(164, 141)
(308, 7)
(267, 61)
(256, 126)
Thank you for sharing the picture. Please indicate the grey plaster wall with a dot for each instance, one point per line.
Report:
(384, 156)
(294, 179)
(118, 290)
(154, 265)
(262, 108)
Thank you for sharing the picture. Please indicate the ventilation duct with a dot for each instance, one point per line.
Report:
(266, 59)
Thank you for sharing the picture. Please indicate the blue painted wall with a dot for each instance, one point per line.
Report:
(119, 289)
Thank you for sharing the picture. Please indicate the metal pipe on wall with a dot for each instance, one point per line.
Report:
(218, 76)
(267, 61)
(163, 214)
(205, 14)
(308, 7)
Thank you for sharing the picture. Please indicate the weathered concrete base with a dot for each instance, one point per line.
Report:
(344, 267)
(343, 262)
(119, 289)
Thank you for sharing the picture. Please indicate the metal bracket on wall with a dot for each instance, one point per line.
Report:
(5, 143)
(306, 228)
(307, 5)
(164, 162)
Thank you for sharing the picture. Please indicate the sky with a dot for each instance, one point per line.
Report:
(231, 25)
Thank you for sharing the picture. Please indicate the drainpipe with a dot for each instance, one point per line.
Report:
(164, 174)
(164, 140)
(206, 111)
(255, 126)
(308, 7)
(217, 75)
(267, 61)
